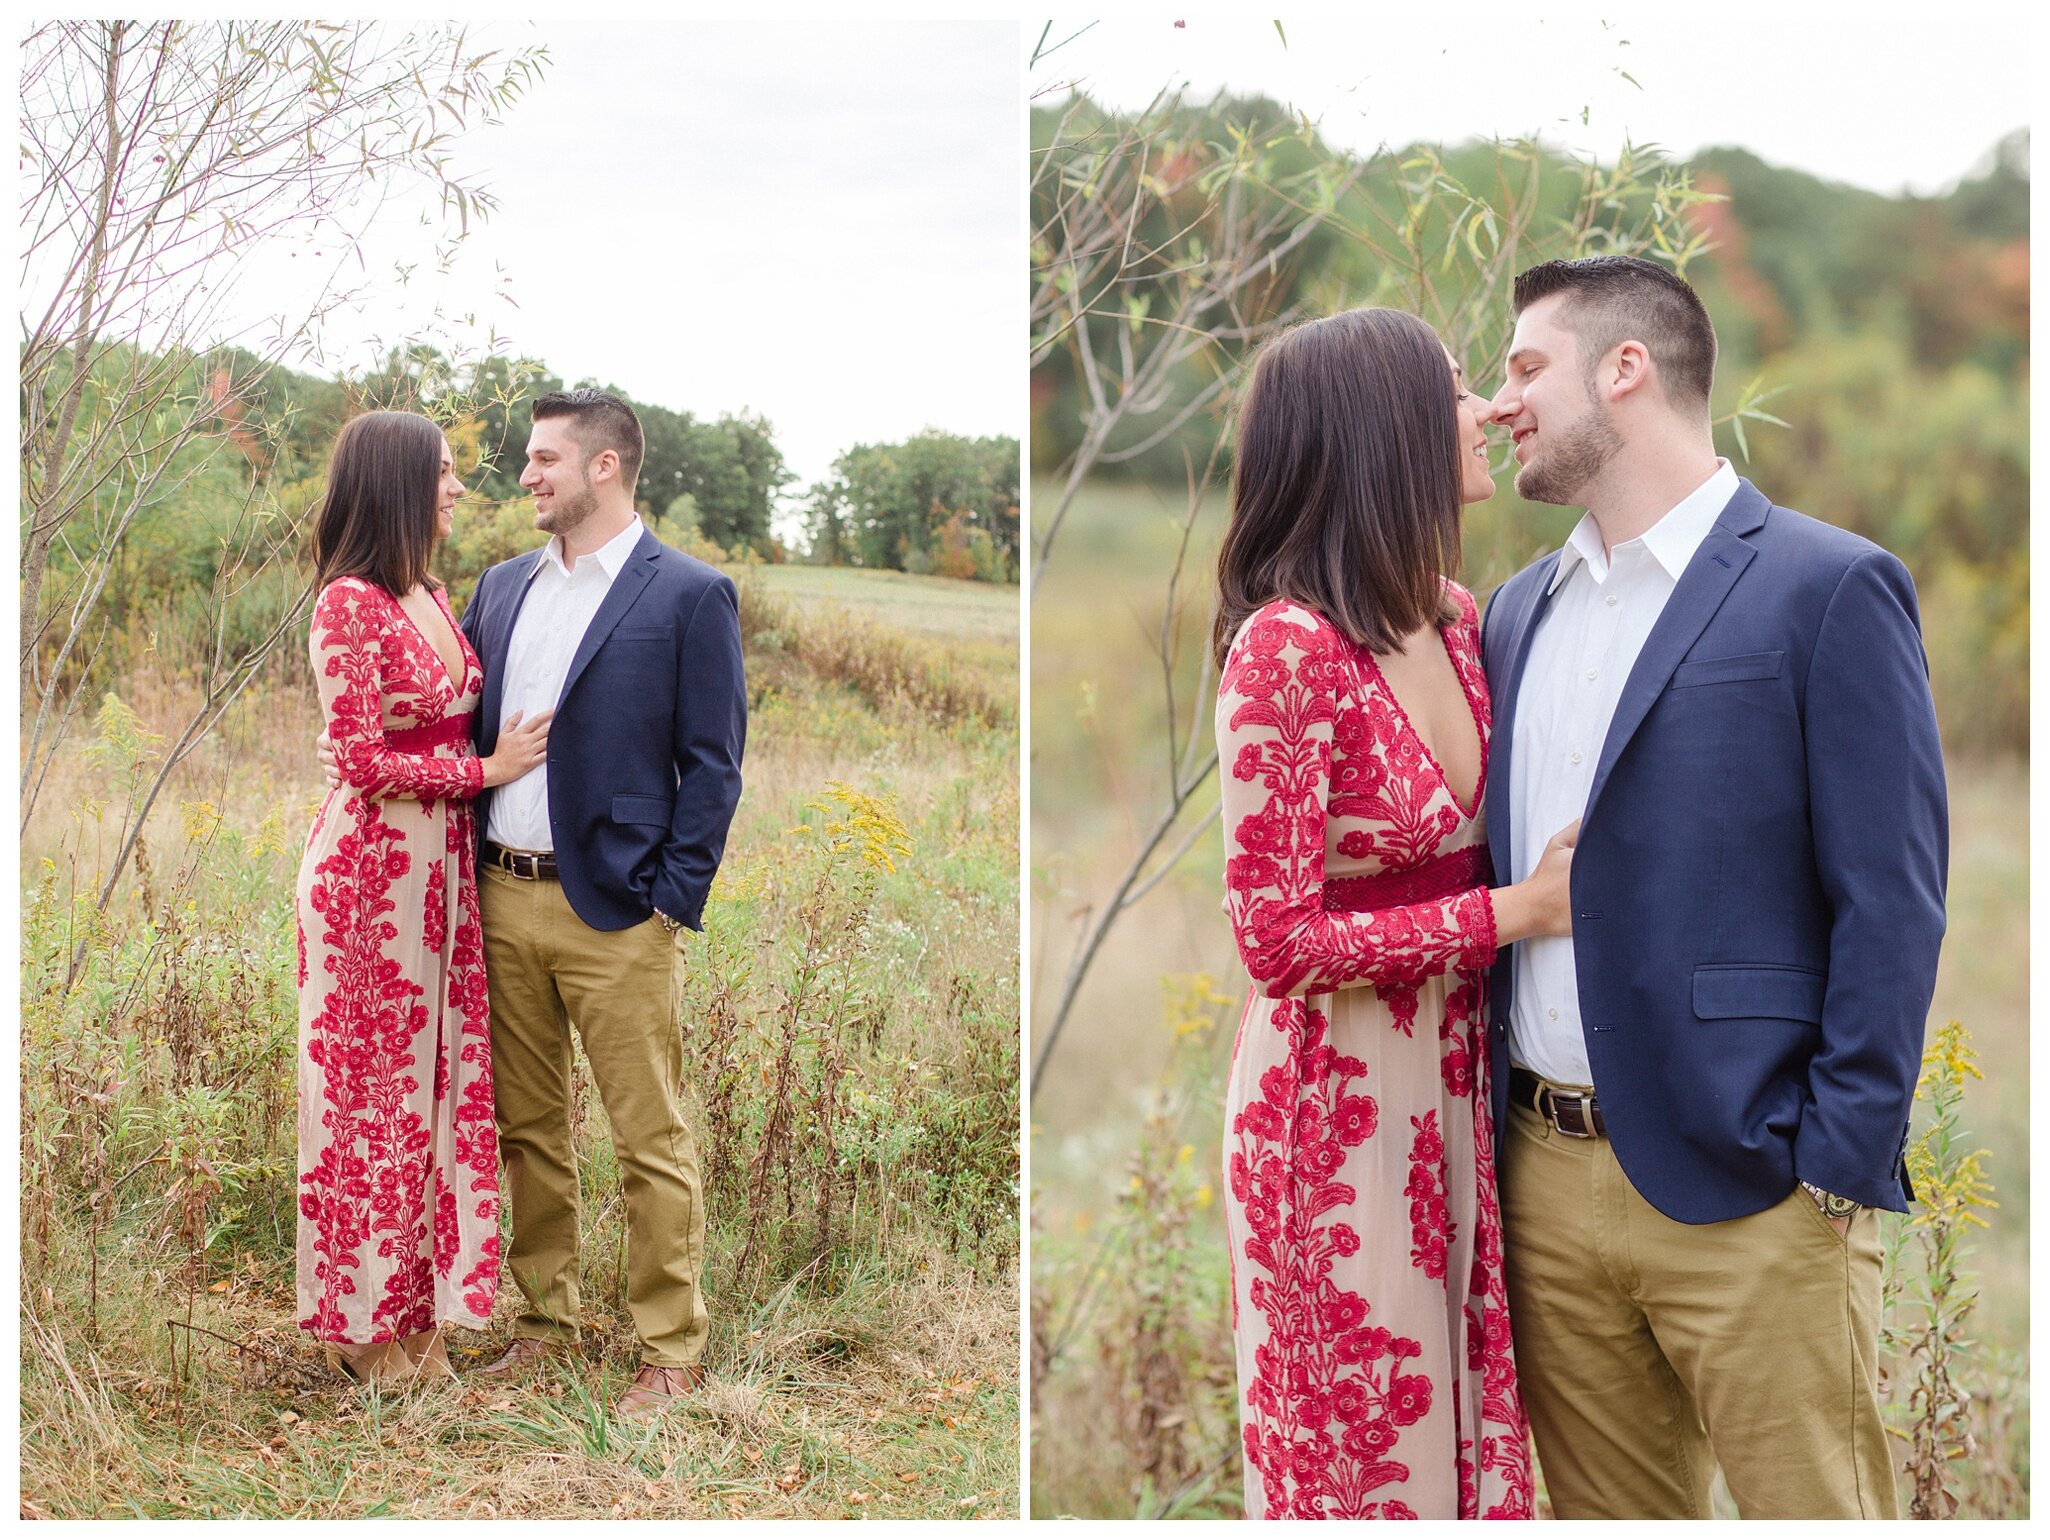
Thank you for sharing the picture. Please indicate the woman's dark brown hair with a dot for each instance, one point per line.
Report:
(1345, 491)
(376, 520)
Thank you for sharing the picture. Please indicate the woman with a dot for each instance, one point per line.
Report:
(1352, 724)
(398, 1160)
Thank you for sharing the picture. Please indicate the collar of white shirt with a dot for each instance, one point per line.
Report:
(611, 555)
(1672, 541)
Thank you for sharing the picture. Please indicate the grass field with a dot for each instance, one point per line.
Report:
(1098, 775)
(162, 1374)
(950, 608)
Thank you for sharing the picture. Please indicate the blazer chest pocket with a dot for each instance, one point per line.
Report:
(640, 809)
(1750, 665)
(644, 634)
(1727, 990)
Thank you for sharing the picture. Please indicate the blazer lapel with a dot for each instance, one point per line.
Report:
(498, 644)
(1519, 624)
(1710, 575)
(638, 572)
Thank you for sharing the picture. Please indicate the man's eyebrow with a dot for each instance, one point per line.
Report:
(1526, 352)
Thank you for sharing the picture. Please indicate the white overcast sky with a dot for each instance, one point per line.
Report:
(820, 221)
(1880, 96)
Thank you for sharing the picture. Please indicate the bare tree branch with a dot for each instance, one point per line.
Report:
(160, 157)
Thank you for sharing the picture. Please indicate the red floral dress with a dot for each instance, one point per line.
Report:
(1371, 1321)
(398, 1158)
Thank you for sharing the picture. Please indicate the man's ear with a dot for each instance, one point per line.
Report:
(1629, 366)
(605, 465)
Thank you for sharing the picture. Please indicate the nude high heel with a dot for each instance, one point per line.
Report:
(381, 1363)
(429, 1353)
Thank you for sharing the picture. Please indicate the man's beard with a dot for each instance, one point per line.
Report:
(569, 512)
(1570, 459)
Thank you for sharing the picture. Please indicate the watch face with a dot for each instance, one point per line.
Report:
(1832, 1206)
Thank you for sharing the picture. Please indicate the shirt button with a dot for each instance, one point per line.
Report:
(1590, 675)
(1553, 1013)
(1575, 757)
(1610, 601)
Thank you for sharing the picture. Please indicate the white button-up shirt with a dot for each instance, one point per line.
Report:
(560, 605)
(1603, 606)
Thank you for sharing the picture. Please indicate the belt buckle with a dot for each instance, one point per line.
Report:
(1584, 1102)
(1581, 1101)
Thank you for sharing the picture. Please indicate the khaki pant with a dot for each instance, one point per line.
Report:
(547, 969)
(1650, 1351)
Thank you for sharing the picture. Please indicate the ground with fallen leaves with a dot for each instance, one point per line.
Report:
(893, 1398)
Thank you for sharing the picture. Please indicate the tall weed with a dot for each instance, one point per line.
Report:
(851, 1032)
(1932, 1365)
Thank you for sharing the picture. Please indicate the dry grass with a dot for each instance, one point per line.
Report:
(880, 1381)
(945, 680)
(812, 1411)
(951, 609)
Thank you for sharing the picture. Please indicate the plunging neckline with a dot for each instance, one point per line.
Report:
(456, 689)
(1473, 711)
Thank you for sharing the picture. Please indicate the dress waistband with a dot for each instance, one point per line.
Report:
(429, 735)
(1439, 877)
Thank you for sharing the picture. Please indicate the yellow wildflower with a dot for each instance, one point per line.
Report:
(201, 819)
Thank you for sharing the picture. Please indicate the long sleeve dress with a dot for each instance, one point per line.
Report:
(1372, 1328)
(398, 1156)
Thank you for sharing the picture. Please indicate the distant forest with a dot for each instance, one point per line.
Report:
(1892, 331)
(936, 503)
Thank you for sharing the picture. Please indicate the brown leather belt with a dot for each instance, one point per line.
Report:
(529, 865)
(1571, 1111)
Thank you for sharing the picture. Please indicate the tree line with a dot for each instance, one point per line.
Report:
(1874, 348)
(937, 503)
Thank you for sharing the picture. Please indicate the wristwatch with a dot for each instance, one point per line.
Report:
(672, 926)
(1831, 1205)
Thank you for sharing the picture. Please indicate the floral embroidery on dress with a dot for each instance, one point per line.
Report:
(398, 1161)
(1430, 1216)
(1375, 1367)
(434, 921)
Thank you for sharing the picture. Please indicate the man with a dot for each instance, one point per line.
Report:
(591, 863)
(1703, 1094)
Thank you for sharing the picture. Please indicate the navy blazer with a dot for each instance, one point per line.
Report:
(1758, 891)
(644, 752)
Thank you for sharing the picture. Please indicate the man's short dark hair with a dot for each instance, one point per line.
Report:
(1620, 299)
(599, 421)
